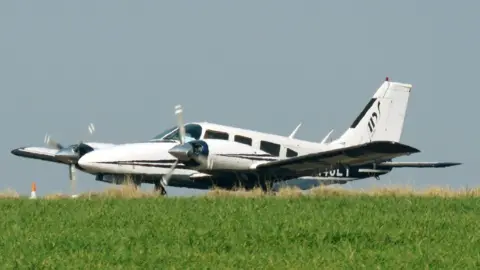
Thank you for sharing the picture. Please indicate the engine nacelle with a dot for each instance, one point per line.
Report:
(211, 155)
(224, 162)
(74, 152)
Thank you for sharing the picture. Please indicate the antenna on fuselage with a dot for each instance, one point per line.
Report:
(295, 131)
(326, 137)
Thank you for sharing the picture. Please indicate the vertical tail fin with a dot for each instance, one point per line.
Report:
(382, 118)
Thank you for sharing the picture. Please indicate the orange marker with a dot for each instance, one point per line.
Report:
(33, 194)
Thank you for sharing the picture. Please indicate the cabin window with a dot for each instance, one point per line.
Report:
(211, 134)
(291, 153)
(271, 148)
(244, 140)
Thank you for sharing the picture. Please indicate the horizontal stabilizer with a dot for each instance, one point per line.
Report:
(392, 164)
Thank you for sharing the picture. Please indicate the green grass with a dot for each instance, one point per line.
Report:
(334, 232)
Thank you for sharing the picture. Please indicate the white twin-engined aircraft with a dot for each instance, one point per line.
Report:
(202, 155)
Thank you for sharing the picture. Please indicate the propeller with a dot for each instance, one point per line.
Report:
(185, 151)
(69, 155)
(51, 143)
(181, 131)
(181, 128)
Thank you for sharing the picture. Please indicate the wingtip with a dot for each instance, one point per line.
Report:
(17, 151)
(397, 147)
(407, 147)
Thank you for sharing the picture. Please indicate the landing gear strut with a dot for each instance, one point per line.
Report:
(267, 186)
(160, 188)
(265, 182)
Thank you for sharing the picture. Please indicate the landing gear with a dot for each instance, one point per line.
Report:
(265, 182)
(131, 181)
(160, 188)
(267, 186)
(136, 186)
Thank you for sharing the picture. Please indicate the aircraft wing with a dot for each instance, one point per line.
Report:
(48, 154)
(353, 155)
(41, 153)
(393, 164)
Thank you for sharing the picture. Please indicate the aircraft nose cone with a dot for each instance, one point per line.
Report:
(182, 151)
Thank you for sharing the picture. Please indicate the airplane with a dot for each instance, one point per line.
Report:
(395, 96)
(202, 155)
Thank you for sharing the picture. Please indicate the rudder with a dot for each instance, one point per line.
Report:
(383, 117)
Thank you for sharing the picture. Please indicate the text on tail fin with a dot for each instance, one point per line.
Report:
(374, 119)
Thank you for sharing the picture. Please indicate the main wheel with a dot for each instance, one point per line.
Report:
(159, 188)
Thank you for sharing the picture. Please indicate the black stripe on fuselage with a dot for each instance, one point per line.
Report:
(261, 157)
(147, 163)
(246, 155)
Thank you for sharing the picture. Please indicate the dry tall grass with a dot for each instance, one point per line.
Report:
(9, 193)
(399, 191)
(130, 192)
(122, 191)
(339, 191)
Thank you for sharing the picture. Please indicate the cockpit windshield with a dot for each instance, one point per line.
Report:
(161, 135)
(192, 132)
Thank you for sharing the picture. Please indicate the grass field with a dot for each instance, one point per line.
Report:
(324, 230)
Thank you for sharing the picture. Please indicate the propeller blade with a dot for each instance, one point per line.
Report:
(72, 178)
(181, 128)
(91, 128)
(167, 177)
(50, 142)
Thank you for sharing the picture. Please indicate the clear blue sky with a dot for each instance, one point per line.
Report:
(264, 65)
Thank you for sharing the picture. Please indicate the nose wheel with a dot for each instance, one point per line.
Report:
(160, 189)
